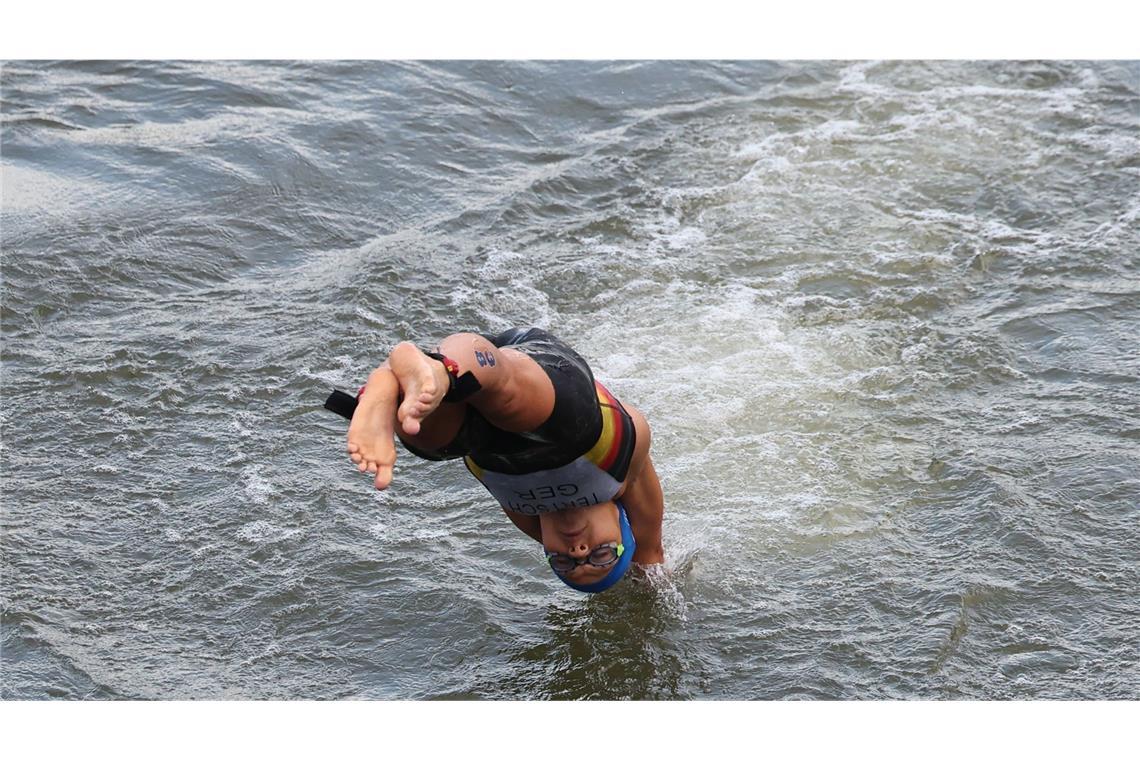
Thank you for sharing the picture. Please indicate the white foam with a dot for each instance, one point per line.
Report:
(853, 79)
(510, 289)
(255, 486)
(262, 532)
(762, 149)
(1124, 226)
(1114, 145)
(685, 239)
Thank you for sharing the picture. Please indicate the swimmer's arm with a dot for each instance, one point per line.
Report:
(645, 506)
(641, 494)
(528, 524)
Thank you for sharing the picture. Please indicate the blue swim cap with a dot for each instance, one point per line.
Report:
(623, 562)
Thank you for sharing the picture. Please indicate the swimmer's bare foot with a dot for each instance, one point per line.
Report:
(424, 382)
(370, 442)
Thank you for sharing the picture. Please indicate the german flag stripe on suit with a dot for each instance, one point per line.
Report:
(614, 448)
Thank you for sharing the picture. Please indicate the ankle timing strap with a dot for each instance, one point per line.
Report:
(460, 386)
(341, 403)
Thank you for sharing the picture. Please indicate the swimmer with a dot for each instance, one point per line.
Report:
(568, 463)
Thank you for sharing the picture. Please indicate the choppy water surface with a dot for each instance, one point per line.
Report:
(882, 316)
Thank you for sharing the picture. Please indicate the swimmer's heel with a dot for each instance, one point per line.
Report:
(341, 403)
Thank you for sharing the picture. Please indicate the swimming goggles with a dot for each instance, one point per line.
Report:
(603, 555)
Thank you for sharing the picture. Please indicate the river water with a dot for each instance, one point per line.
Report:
(882, 317)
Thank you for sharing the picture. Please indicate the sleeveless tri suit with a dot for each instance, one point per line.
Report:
(579, 456)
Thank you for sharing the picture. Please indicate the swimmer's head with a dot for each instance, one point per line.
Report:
(583, 533)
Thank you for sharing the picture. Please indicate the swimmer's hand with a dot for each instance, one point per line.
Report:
(653, 574)
(648, 553)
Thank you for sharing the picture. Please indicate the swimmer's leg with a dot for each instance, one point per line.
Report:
(515, 395)
(370, 442)
(424, 382)
(515, 392)
(407, 371)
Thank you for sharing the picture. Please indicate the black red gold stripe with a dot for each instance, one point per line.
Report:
(614, 448)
